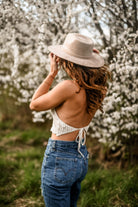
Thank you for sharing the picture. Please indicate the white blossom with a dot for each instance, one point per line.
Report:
(28, 27)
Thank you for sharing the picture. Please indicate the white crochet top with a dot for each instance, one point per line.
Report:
(59, 128)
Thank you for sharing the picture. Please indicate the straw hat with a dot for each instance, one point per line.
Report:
(78, 49)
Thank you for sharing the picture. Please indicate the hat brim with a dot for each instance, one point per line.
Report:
(95, 61)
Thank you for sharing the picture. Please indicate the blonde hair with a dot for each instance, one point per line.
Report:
(93, 80)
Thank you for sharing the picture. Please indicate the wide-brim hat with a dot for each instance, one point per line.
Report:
(78, 49)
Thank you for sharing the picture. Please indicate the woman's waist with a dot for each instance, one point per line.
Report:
(65, 137)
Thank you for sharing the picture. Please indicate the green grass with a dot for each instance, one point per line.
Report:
(21, 154)
(109, 188)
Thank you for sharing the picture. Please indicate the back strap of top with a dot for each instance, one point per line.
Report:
(81, 139)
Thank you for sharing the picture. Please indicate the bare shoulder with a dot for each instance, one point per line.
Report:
(67, 83)
(67, 86)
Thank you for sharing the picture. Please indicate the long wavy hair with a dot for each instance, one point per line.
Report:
(93, 80)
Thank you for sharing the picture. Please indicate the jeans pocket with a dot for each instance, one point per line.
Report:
(65, 170)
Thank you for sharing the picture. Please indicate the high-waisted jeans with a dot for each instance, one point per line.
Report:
(63, 169)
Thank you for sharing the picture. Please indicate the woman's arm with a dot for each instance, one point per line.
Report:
(43, 99)
(44, 87)
(46, 84)
(58, 95)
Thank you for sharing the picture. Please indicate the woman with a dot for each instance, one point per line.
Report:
(73, 103)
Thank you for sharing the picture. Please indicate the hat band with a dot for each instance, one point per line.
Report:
(70, 52)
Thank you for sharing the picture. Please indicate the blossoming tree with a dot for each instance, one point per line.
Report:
(116, 22)
(28, 27)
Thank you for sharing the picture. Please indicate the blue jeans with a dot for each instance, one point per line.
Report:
(63, 169)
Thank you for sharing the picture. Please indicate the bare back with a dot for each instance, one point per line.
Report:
(73, 112)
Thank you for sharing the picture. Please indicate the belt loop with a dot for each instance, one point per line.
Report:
(54, 145)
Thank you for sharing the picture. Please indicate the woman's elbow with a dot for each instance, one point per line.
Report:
(33, 106)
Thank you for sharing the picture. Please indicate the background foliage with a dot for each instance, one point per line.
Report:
(27, 28)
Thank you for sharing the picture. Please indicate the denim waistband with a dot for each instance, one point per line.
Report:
(68, 146)
(61, 143)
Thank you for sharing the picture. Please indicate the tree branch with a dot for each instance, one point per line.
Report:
(135, 16)
(98, 26)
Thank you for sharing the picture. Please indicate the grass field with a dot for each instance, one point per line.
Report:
(21, 154)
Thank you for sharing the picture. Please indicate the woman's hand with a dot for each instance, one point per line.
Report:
(54, 64)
